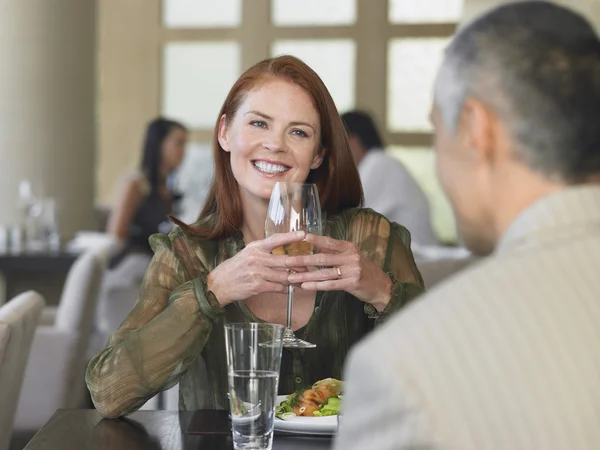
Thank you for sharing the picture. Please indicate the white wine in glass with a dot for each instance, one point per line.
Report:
(293, 207)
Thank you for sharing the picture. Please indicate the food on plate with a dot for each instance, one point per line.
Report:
(322, 399)
(237, 406)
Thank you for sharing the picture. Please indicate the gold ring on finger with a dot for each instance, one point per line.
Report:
(339, 272)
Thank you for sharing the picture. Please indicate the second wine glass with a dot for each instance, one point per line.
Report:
(294, 207)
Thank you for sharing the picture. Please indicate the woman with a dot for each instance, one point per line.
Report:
(141, 211)
(278, 123)
(145, 201)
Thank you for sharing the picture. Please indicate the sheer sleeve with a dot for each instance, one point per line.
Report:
(387, 244)
(164, 332)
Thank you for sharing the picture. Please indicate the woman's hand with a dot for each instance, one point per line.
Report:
(253, 271)
(345, 269)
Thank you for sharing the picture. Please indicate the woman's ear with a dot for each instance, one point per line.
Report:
(222, 136)
(317, 161)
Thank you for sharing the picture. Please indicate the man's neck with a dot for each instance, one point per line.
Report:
(518, 194)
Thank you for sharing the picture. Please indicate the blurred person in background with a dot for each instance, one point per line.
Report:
(504, 355)
(146, 200)
(389, 187)
(278, 123)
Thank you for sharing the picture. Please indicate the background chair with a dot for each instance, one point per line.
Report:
(55, 372)
(18, 320)
(434, 272)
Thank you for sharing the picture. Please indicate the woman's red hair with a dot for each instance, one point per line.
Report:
(336, 178)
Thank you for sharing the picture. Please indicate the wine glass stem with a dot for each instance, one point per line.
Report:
(288, 321)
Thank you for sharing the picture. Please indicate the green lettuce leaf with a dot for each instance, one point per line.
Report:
(330, 408)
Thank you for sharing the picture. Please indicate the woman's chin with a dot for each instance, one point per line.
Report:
(262, 192)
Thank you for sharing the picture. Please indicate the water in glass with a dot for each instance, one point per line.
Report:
(253, 397)
(253, 362)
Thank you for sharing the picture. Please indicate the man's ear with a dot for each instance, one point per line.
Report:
(477, 122)
(222, 136)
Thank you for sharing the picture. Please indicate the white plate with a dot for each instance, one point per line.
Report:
(246, 418)
(322, 426)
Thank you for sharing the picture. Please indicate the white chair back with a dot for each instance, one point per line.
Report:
(79, 295)
(436, 271)
(55, 372)
(18, 320)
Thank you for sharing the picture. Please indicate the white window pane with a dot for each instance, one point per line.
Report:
(412, 67)
(421, 163)
(202, 13)
(313, 12)
(193, 179)
(193, 90)
(433, 11)
(333, 60)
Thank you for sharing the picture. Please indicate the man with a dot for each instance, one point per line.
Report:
(505, 355)
(389, 188)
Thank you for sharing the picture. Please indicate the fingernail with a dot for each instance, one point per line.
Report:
(299, 233)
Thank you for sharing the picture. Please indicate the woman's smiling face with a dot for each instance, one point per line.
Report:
(274, 136)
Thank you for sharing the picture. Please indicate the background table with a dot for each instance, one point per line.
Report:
(44, 272)
(148, 430)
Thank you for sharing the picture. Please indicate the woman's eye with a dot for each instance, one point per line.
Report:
(258, 123)
(300, 133)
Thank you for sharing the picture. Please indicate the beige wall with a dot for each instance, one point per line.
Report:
(128, 85)
(47, 95)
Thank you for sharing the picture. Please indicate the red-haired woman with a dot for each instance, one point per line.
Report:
(278, 123)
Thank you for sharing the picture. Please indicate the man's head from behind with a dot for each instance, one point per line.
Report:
(516, 113)
(362, 132)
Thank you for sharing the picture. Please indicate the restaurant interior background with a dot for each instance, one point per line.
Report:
(81, 79)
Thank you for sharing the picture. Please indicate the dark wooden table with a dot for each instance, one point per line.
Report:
(80, 429)
(44, 272)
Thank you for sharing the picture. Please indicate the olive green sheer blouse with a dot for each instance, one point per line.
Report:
(175, 331)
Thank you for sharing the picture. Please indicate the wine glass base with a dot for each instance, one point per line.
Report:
(294, 342)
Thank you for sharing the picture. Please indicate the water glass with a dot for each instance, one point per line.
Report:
(15, 239)
(253, 361)
(4, 239)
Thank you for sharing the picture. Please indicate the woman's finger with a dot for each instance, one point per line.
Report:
(279, 240)
(318, 275)
(317, 260)
(331, 285)
(274, 261)
(298, 269)
(276, 276)
(326, 244)
(275, 288)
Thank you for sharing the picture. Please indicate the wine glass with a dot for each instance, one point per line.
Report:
(293, 207)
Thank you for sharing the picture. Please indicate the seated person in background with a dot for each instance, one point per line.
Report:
(504, 355)
(389, 188)
(278, 123)
(141, 211)
(145, 200)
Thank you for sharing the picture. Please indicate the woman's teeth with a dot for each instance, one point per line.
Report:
(269, 168)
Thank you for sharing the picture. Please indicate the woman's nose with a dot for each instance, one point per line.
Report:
(274, 143)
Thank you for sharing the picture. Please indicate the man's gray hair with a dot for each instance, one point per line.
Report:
(537, 66)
